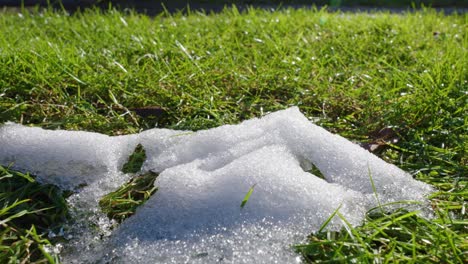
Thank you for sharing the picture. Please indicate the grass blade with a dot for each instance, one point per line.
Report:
(247, 196)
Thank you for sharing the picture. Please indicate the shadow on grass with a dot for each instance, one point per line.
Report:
(154, 8)
(28, 212)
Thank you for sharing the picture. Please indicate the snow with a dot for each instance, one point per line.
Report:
(196, 214)
(68, 159)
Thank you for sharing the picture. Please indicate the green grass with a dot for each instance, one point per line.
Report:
(360, 75)
(28, 209)
(400, 236)
(122, 203)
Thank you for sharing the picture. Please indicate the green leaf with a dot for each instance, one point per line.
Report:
(247, 196)
(325, 224)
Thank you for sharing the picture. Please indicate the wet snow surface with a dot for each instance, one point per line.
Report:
(196, 214)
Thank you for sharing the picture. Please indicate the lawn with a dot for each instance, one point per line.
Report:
(395, 83)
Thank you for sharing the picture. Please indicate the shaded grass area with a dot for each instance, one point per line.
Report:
(358, 75)
(122, 203)
(28, 210)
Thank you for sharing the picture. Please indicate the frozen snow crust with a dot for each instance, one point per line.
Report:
(195, 216)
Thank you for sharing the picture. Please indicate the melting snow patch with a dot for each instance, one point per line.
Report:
(196, 215)
(67, 159)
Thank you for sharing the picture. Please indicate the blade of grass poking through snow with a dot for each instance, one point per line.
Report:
(247, 196)
(182, 134)
(325, 224)
(373, 188)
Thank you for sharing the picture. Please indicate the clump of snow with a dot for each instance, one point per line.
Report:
(339, 160)
(205, 175)
(67, 159)
(196, 215)
(191, 198)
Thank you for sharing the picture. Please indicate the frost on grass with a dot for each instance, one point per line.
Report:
(196, 214)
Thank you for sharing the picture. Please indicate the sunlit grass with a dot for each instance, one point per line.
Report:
(399, 236)
(357, 74)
